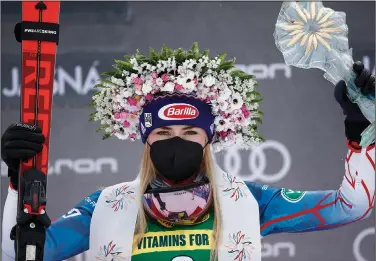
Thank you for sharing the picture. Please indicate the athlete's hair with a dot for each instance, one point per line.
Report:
(148, 174)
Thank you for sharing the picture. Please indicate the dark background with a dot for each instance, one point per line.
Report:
(300, 112)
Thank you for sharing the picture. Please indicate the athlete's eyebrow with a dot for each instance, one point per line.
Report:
(189, 127)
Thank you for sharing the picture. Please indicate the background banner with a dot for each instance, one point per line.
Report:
(303, 125)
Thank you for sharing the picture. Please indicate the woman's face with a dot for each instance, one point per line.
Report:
(189, 133)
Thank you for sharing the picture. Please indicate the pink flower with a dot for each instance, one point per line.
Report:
(240, 120)
(245, 111)
(137, 81)
(117, 115)
(178, 87)
(223, 133)
(149, 97)
(124, 115)
(138, 87)
(126, 124)
(154, 75)
(132, 136)
(195, 81)
(132, 101)
(165, 77)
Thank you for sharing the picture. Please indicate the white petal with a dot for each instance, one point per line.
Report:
(313, 10)
(304, 39)
(315, 41)
(330, 30)
(295, 38)
(308, 15)
(326, 17)
(319, 14)
(325, 35)
(326, 24)
(325, 43)
(292, 27)
(296, 32)
(309, 44)
(300, 12)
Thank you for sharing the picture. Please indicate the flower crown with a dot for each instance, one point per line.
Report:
(138, 80)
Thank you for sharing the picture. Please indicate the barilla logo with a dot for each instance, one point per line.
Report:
(178, 111)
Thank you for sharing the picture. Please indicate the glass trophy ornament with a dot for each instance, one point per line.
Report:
(310, 35)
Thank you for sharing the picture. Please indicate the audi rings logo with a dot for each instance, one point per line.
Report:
(358, 242)
(257, 162)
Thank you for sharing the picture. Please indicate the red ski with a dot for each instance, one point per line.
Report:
(39, 34)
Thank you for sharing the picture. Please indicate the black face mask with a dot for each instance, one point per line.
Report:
(176, 159)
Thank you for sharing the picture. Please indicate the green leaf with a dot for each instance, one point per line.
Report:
(91, 104)
(226, 66)
(127, 58)
(195, 48)
(165, 52)
(106, 136)
(110, 74)
(123, 65)
(205, 53)
(242, 75)
(98, 85)
(180, 55)
(154, 56)
(101, 128)
(141, 58)
(195, 51)
(222, 57)
(92, 114)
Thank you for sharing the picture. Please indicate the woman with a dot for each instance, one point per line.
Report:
(182, 206)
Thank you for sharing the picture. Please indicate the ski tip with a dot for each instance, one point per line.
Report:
(41, 6)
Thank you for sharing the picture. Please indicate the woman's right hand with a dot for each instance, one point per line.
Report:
(20, 141)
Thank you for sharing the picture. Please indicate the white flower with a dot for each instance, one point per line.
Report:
(189, 85)
(238, 138)
(221, 124)
(146, 88)
(182, 70)
(117, 81)
(181, 80)
(190, 74)
(209, 80)
(168, 87)
(159, 82)
(215, 107)
(148, 79)
(126, 93)
(138, 92)
(223, 105)
(133, 119)
(202, 91)
(224, 94)
(236, 101)
(222, 85)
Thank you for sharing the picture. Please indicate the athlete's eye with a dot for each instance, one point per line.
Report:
(163, 133)
(191, 132)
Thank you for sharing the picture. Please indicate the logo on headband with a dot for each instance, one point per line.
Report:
(148, 120)
(178, 111)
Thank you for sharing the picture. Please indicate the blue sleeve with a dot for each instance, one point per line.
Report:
(285, 210)
(69, 235)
